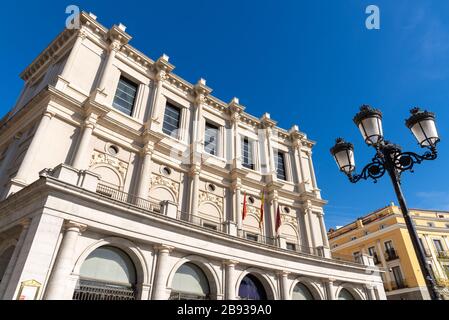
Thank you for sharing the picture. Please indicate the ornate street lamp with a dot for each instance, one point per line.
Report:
(390, 158)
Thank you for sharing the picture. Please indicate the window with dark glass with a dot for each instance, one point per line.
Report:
(252, 237)
(279, 162)
(171, 119)
(247, 153)
(211, 139)
(125, 96)
(291, 246)
(438, 245)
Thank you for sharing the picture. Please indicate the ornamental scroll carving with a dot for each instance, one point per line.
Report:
(161, 181)
(209, 197)
(102, 158)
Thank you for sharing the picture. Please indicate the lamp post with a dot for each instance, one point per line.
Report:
(391, 159)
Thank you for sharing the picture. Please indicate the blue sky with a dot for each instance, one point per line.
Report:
(311, 63)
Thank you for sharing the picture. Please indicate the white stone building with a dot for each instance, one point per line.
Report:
(120, 180)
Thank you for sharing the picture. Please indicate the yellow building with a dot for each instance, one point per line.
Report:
(383, 235)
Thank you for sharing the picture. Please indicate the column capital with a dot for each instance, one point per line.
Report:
(283, 273)
(82, 34)
(230, 263)
(195, 170)
(330, 280)
(74, 226)
(164, 248)
(48, 113)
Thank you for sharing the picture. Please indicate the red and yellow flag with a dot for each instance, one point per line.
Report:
(262, 204)
(244, 211)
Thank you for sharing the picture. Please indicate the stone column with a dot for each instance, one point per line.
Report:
(320, 216)
(309, 228)
(81, 159)
(112, 51)
(230, 279)
(9, 270)
(194, 192)
(238, 207)
(145, 172)
(384, 265)
(160, 278)
(37, 140)
(330, 289)
(312, 175)
(56, 288)
(274, 209)
(283, 277)
(163, 69)
(371, 294)
(73, 54)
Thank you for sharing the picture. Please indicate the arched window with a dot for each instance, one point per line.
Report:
(301, 292)
(4, 260)
(190, 283)
(251, 289)
(107, 274)
(345, 295)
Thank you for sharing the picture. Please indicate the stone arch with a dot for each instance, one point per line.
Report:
(216, 212)
(108, 175)
(353, 290)
(251, 223)
(293, 232)
(161, 193)
(313, 287)
(268, 285)
(205, 266)
(126, 246)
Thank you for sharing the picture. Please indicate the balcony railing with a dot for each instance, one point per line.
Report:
(210, 224)
(444, 255)
(390, 254)
(128, 198)
(396, 285)
(347, 258)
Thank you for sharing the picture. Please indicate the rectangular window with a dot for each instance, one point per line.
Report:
(388, 245)
(372, 251)
(171, 119)
(210, 226)
(398, 277)
(357, 256)
(125, 96)
(247, 153)
(252, 237)
(279, 162)
(438, 245)
(291, 246)
(211, 139)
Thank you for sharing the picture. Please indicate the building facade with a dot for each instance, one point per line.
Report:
(384, 236)
(120, 180)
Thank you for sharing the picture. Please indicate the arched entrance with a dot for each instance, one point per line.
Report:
(301, 292)
(345, 295)
(107, 274)
(251, 289)
(190, 283)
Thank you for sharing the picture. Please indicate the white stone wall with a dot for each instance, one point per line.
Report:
(72, 122)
